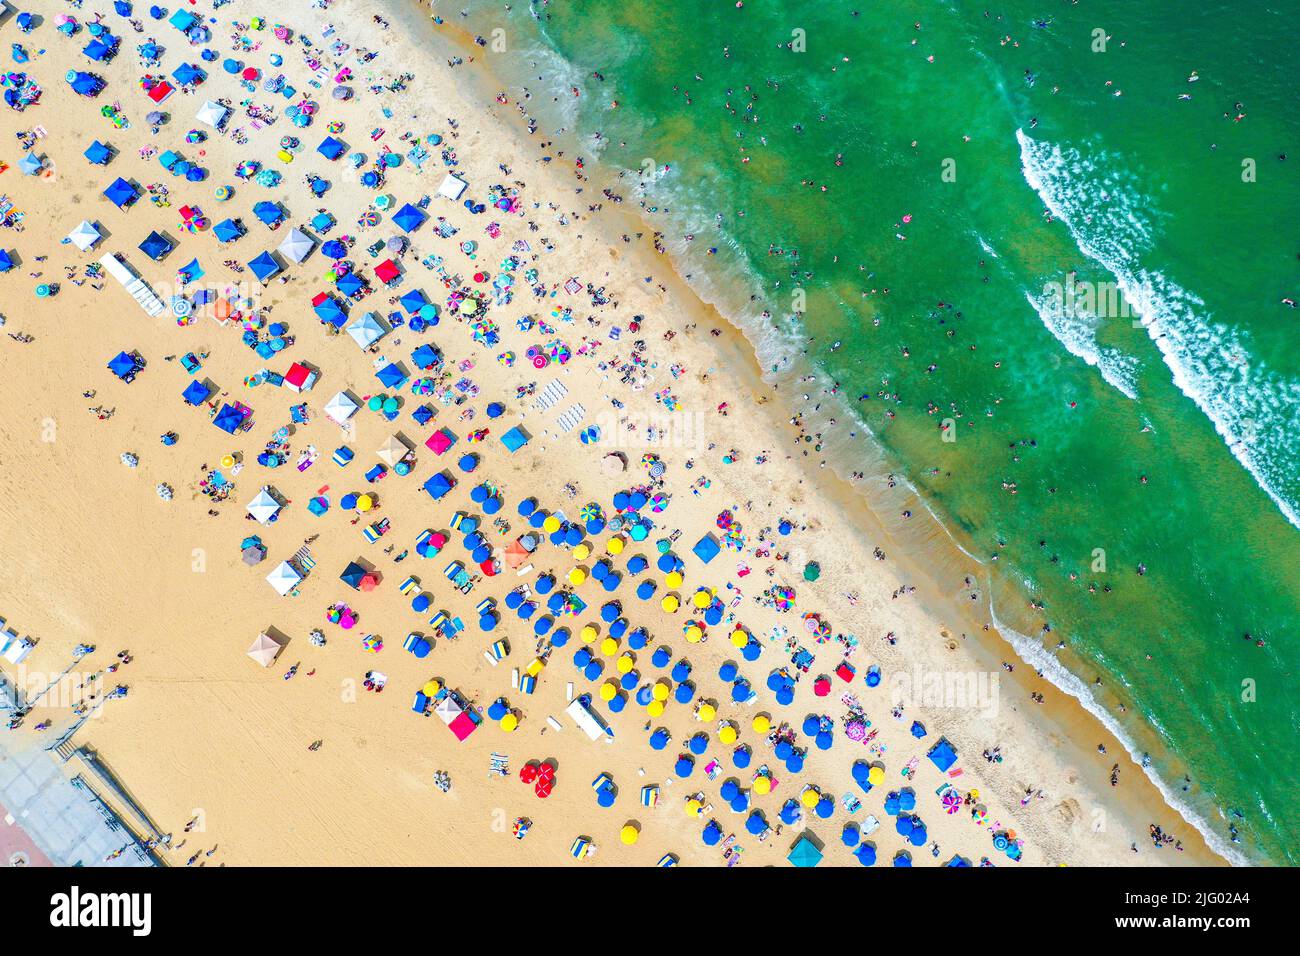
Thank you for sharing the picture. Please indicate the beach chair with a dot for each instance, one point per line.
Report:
(438, 621)
(342, 456)
(495, 653)
(371, 533)
(527, 684)
(535, 667)
(409, 586)
(453, 570)
(484, 606)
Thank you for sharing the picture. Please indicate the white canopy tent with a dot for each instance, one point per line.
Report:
(283, 578)
(340, 408)
(264, 650)
(393, 451)
(366, 330)
(212, 114)
(263, 508)
(297, 245)
(452, 187)
(85, 235)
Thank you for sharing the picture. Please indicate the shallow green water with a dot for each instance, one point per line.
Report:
(1067, 399)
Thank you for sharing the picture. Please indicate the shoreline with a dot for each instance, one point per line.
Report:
(1070, 717)
(221, 688)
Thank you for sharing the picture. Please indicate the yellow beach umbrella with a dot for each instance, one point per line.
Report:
(739, 638)
(509, 722)
(577, 576)
(432, 688)
(693, 807)
(727, 734)
(655, 708)
(614, 546)
(588, 633)
(659, 691)
(365, 503)
(608, 690)
(227, 461)
(706, 711)
(624, 663)
(702, 599)
(762, 785)
(629, 834)
(581, 552)
(551, 524)
(809, 798)
(876, 776)
(674, 579)
(762, 724)
(609, 647)
(670, 603)
(693, 634)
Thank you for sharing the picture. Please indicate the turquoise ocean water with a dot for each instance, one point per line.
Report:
(1046, 270)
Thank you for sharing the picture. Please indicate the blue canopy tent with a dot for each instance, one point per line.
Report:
(101, 48)
(30, 164)
(196, 393)
(121, 193)
(391, 375)
(124, 365)
(85, 84)
(706, 549)
(515, 439)
(438, 485)
(183, 20)
(156, 246)
(331, 148)
(229, 419)
(228, 230)
(412, 301)
(409, 218)
(804, 853)
(187, 74)
(268, 212)
(350, 285)
(98, 153)
(425, 356)
(264, 266)
(942, 755)
(328, 310)
(6, 260)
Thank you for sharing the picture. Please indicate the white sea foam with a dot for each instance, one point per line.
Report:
(1251, 406)
(1078, 333)
(1041, 659)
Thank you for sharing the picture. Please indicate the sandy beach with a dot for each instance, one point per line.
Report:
(94, 557)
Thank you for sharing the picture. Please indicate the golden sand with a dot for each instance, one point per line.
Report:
(92, 555)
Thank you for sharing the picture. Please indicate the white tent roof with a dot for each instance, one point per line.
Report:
(85, 235)
(297, 246)
(448, 710)
(393, 451)
(340, 408)
(263, 507)
(284, 578)
(452, 187)
(213, 114)
(366, 330)
(263, 650)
